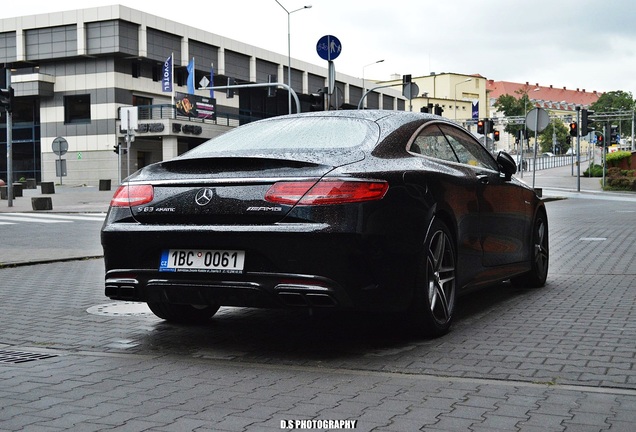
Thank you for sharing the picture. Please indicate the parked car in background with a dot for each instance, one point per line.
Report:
(355, 210)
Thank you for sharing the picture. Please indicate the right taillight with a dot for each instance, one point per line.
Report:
(132, 195)
(326, 192)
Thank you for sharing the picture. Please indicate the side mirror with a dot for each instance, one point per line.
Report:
(507, 164)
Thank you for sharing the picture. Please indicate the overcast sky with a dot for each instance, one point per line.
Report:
(582, 44)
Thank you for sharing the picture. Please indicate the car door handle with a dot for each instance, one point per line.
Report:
(483, 178)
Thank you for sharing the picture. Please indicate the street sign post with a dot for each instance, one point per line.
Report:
(60, 147)
(329, 48)
(536, 120)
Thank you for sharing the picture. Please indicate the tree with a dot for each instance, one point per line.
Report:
(615, 101)
(513, 106)
(562, 133)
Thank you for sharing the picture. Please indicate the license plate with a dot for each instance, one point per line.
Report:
(195, 260)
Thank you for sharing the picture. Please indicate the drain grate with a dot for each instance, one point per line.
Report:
(15, 357)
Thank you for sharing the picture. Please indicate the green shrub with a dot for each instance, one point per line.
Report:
(594, 170)
(621, 183)
(614, 159)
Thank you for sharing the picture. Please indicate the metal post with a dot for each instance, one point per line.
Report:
(536, 143)
(633, 120)
(608, 136)
(9, 147)
(289, 48)
(578, 149)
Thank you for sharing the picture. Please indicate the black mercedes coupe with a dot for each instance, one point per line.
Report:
(356, 210)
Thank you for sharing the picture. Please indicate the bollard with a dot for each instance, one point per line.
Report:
(17, 190)
(31, 183)
(47, 187)
(104, 185)
(42, 203)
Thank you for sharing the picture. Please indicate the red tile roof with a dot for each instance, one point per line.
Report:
(544, 93)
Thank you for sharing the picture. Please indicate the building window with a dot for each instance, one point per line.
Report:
(77, 109)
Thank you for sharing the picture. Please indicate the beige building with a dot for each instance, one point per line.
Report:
(461, 97)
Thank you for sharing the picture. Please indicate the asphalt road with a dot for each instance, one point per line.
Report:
(558, 358)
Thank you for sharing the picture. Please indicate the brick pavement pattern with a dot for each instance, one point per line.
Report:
(560, 358)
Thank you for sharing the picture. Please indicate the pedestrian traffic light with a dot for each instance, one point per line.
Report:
(573, 129)
(586, 122)
(496, 134)
(614, 138)
(6, 98)
(480, 127)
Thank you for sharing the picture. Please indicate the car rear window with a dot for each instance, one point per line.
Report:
(291, 135)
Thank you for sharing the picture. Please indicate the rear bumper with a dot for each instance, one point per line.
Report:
(282, 269)
(254, 290)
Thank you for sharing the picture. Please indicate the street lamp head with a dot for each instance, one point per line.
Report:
(307, 7)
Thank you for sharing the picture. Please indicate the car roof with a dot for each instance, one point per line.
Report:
(372, 115)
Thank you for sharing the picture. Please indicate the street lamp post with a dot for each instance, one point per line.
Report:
(289, 47)
(363, 68)
(461, 82)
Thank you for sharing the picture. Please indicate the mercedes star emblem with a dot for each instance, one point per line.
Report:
(204, 196)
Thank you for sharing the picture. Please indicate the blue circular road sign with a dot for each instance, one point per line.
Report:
(328, 47)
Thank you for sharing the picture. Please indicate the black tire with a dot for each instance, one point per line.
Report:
(539, 253)
(435, 292)
(182, 313)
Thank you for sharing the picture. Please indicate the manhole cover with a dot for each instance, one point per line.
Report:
(121, 309)
(21, 356)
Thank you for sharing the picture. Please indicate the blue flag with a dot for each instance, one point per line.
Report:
(191, 76)
(166, 76)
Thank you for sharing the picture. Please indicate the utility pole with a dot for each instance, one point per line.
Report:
(9, 141)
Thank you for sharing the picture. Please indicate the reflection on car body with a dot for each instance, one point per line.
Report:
(366, 210)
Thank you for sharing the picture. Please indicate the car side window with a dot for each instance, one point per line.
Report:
(469, 151)
(431, 142)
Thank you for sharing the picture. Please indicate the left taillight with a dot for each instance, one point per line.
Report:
(326, 192)
(132, 195)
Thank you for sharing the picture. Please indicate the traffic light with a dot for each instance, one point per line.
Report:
(480, 127)
(6, 98)
(573, 129)
(438, 110)
(317, 101)
(229, 93)
(116, 148)
(586, 127)
(614, 138)
(568, 139)
(600, 141)
(271, 91)
(424, 109)
(496, 133)
(521, 133)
